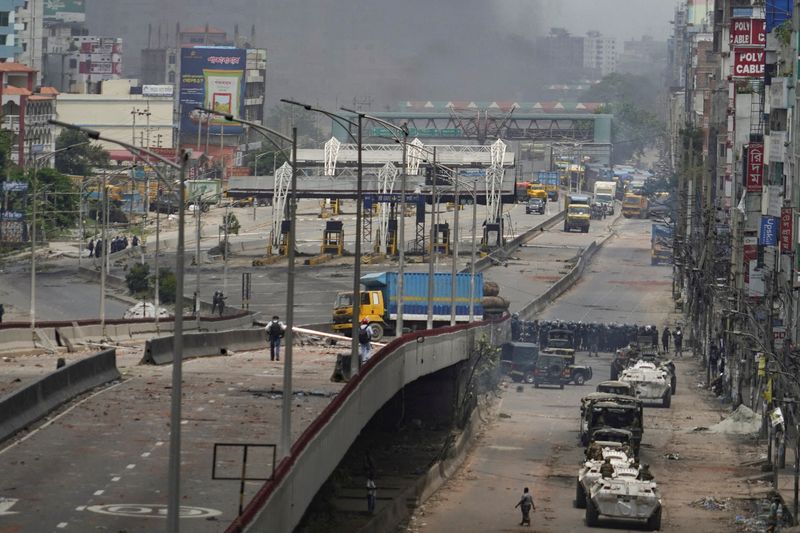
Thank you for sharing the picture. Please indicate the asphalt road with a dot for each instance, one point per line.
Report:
(535, 441)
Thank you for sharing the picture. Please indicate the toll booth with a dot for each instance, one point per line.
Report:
(283, 247)
(333, 238)
(441, 238)
(391, 237)
(492, 235)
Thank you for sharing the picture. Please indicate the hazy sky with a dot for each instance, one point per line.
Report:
(623, 18)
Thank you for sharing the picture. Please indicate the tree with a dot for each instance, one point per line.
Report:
(80, 160)
(166, 286)
(57, 202)
(137, 278)
(633, 101)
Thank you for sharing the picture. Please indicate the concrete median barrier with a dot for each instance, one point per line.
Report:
(159, 351)
(21, 408)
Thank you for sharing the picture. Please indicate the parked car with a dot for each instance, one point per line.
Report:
(535, 205)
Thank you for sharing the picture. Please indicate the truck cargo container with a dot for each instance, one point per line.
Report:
(379, 302)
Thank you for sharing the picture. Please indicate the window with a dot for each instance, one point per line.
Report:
(4, 18)
(73, 63)
(171, 77)
(172, 59)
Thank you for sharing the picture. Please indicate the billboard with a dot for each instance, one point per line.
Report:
(748, 63)
(768, 235)
(65, 10)
(748, 32)
(755, 167)
(787, 230)
(213, 77)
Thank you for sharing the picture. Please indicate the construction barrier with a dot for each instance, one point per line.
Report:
(159, 351)
(30, 403)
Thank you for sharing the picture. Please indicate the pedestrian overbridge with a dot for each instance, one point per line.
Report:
(280, 503)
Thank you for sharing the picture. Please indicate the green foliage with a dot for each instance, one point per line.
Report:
(137, 278)
(233, 224)
(57, 203)
(633, 100)
(265, 161)
(6, 140)
(80, 160)
(166, 286)
(784, 33)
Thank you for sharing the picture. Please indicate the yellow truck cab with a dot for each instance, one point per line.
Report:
(578, 213)
(537, 191)
(635, 205)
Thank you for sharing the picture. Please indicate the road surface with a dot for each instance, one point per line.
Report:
(535, 441)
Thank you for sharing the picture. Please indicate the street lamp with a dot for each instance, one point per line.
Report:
(401, 230)
(268, 133)
(355, 322)
(173, 501)
(36, 161)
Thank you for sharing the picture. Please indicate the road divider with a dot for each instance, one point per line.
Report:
(25, 406)
(499, 255)
(159, 351)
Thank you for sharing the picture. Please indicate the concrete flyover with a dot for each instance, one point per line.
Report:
(280, 504)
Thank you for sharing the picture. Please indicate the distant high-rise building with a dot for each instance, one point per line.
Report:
(9, 43)
(29, 25)
(562, 54)
(600, 53)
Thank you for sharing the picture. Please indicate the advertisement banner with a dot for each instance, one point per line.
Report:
(211, 77)
(755, 167)
(748, 63)
(787, 230)
(65, 10)
(748, 32)
(768, 234)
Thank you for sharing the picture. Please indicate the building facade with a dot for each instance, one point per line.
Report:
(599, 53)
(29, 25)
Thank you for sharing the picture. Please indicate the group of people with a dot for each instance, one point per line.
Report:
(117, 244)
(594, 336)
(218, 302)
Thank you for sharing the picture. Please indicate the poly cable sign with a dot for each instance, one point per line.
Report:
(748, 32)
(755, 167)
(748, 63)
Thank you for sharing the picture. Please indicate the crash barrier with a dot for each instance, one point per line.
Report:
(30, 403)
(501, 253)
(49, 335)
(535, 307)
(159, 351)
(280, 504)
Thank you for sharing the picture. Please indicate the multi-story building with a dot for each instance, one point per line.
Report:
(89, 62)
(9, 43)
(29, 25)
(599, 53)
(645, 56)
(26, 111)
(562, 53)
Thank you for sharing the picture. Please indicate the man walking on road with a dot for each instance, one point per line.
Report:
(526, 505)
(678, 338)
(665, 340)
(275, 331)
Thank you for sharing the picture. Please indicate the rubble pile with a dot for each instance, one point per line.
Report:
(743, 421)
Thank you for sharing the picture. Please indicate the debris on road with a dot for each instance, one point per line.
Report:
(710, 504)
(743, 421)
(672, 456)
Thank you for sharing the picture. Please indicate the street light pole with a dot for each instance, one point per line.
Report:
(354, 359)
(401, 237)
(286, 411)
(454, 268)
(431, 266)
(472, 260)
(173, 500)
(197, 264)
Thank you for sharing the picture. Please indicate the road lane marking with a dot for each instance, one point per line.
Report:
(6, 504)
(116, 478)
(146, 454)
(80, 508)
(131, 466)
(62, 525)
(99, 492)
(138, 510)
(159, 443)
(56, 418)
